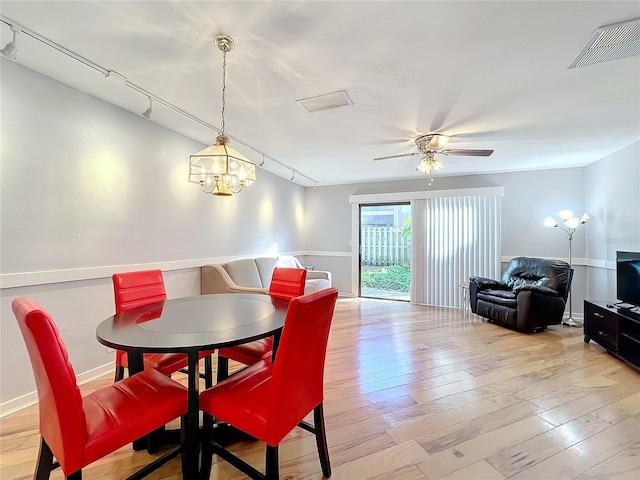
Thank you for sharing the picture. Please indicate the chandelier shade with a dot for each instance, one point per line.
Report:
(221, 170)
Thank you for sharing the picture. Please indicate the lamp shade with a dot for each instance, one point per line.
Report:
(586, 217)
(424, 166)
(221, 170)
(565, 215)
(573, 222)
(428, 163)
(10, 50)
(550, 222)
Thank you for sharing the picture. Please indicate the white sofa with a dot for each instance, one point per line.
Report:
(253, 275)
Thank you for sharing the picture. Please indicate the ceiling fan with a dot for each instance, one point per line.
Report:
(429, 145)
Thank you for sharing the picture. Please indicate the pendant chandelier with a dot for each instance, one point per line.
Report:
(220, 169)
(428, 165)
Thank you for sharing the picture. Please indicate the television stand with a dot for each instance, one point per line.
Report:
(614, 328)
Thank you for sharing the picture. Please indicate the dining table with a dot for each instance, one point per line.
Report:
(190, 325)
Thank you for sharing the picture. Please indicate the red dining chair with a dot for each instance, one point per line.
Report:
(267, 400)
(79, 430)
(134, 289)
(286, 283)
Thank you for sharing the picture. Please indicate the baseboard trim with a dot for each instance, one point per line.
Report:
(24, 401)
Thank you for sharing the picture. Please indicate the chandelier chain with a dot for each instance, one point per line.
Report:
(224, 85)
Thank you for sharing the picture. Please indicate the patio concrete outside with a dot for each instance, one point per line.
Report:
(384, 294)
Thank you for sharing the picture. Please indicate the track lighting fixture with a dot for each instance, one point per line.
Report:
(147, 113)
(236, 176)
(10, 49)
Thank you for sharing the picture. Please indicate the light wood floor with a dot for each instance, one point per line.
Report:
(416, 392)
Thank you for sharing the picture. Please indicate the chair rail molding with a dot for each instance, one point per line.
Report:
(29, 279)
(31, 398)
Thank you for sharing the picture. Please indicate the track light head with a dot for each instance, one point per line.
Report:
(10, 49)
(147, 113)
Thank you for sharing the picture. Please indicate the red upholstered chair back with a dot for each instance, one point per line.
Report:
(287, 283)
(62, 420)
(133, 289)
(298, 372)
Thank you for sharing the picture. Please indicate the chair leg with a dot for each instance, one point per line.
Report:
(321, 440)
(208, 372)
(223, 368)
(45, 462)
(119, 374)
(75, 475)
(272, 465)
(207, 450)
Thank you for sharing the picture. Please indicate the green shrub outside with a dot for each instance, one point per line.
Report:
(394, 277)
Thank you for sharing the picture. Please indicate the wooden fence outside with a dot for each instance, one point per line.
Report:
(383, 246)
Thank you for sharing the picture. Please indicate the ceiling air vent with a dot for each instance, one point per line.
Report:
(612, 42)
(323, 102)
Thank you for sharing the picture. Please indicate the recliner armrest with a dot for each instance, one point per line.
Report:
(550, 292)
(478, 284)
(483, 283)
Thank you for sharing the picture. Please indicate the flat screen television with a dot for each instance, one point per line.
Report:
(628, 277)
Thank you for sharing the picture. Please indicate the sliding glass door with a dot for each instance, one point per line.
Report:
(385, 251)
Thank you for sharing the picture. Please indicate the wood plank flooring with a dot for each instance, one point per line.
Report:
(414, 392)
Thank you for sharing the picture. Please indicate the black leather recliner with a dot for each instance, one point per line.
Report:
(532, 294)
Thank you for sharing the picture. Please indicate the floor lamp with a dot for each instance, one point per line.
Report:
(571, 224)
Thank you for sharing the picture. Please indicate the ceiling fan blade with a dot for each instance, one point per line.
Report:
(467, 153)
(397, 156)
(438, 141)
(390, 141)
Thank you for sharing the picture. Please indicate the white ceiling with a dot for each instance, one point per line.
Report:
(493, 75)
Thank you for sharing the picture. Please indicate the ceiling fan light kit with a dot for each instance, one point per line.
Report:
(432, 144)
(428, 165)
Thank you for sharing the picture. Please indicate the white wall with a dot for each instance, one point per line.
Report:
(612, 187)
(88, 189)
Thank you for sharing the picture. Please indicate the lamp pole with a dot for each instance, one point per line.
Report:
(570, 321)
(571, 225)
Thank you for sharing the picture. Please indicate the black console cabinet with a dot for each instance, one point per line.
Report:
(616, 329)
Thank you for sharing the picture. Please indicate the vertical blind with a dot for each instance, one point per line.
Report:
(452, 238)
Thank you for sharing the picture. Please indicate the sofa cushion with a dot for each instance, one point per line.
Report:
(244, 272)
(265, 266)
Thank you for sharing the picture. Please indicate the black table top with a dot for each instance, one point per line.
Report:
(201, 322)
